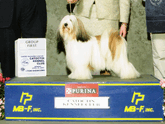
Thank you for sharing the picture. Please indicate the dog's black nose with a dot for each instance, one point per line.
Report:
(66, 24)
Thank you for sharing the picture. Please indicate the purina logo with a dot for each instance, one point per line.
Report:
(81, 90)
(156, 2)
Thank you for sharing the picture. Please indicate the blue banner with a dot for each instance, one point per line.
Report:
(125, 102)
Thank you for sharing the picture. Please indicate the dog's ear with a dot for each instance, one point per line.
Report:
(60, 43)
(81, 33)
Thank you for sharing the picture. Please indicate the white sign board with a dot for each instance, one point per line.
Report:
(81, 102)
(30, 57)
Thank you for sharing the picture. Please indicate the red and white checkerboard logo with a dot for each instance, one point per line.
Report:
(68, 91)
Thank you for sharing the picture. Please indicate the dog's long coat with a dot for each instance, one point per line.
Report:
(85, 53)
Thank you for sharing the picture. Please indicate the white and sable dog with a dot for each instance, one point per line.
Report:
(85, 53)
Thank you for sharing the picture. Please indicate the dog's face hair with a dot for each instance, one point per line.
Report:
(73, 28)
(66, 26)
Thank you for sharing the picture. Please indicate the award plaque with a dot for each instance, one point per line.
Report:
(30, 57)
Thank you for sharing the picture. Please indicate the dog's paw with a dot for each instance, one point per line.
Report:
(71, 76)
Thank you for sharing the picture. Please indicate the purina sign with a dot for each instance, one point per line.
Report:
(81, 96)
(81, 90)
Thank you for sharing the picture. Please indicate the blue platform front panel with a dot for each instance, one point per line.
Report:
(126, 102)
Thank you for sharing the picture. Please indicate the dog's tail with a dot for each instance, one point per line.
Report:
(114, 49)
(123, 67)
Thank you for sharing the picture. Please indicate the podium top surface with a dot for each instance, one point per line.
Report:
(96, 79)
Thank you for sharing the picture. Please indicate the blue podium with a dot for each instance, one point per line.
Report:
(104, 98)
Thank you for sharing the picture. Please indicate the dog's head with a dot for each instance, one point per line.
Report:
(71, 28)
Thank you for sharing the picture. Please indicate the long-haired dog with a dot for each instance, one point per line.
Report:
(85, 53)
